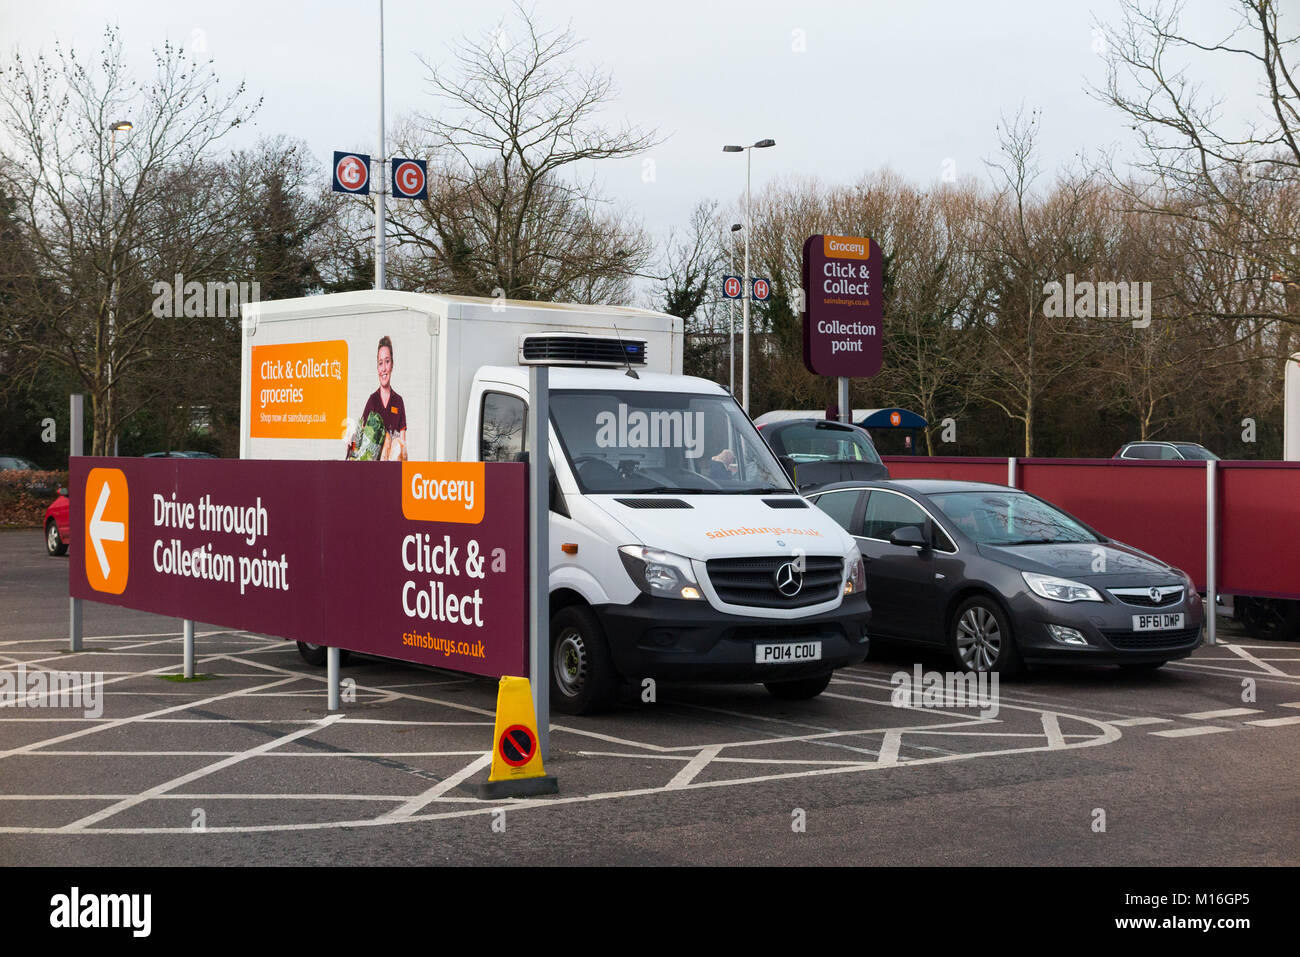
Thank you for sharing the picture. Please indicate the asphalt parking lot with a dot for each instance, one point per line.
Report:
(1192, 765)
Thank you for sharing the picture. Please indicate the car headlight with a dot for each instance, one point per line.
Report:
(660, 574)
(1060, 589)
(856, 583)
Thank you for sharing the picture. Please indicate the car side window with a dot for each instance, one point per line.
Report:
(1169, 452)
(503, 425)
(841, 507)
(1140, 452)
(888, 511)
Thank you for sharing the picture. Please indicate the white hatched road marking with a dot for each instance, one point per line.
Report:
(195, 775)
(1275, 722)
(1190, 732)
(1222, 713)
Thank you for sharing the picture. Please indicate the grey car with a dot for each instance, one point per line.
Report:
(1001, 578)
(1166, 451)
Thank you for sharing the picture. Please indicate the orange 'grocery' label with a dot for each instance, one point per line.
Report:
(846, 247)
(444, 491)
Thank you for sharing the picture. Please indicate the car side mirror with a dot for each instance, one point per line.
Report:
(907, 535)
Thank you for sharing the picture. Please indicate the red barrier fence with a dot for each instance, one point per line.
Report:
(1160, 507)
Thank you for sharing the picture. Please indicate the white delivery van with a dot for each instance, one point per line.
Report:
(679, 549)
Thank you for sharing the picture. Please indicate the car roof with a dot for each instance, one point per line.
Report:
(918, 486)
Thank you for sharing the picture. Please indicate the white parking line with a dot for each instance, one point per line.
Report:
(1222, 713)
(1275, 722)
(1290, 704)
(1138, 722)
(1188, 732)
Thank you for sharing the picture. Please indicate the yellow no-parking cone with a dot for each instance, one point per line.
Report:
(516, 759)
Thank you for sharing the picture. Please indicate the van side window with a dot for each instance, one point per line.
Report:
(502, 433)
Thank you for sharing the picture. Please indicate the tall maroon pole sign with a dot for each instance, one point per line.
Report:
(844, 306)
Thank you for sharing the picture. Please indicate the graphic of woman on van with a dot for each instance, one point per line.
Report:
(388, 442)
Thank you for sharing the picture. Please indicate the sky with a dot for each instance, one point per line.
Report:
(844, 88)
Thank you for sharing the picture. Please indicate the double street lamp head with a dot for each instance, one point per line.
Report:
(761, 144)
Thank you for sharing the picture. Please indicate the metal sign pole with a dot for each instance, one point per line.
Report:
(539, 547)
(381, 164)
(1211, 553)
(332, 678)
(74, 450)
(846, 414)
(188, 634)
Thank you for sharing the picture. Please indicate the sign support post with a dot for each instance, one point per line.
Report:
(1211, 553)
(74, 449)
(188, 637)
(846, 413)
(381, 244)
(539, 546)
(332, 678)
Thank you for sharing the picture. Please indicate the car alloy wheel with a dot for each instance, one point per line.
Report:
(979, 639)
(53, 544)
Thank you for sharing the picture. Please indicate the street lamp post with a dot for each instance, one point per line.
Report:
(744, 303)
(121, 126)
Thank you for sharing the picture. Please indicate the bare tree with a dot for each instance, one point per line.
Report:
(108, 214)
(1240, 180)
(517, 118)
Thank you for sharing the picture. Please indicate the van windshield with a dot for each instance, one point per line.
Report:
(660, 442)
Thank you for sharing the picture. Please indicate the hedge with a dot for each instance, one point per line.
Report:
(24, 496)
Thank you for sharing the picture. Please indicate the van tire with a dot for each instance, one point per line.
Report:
(581, 669)
(318, 655)
(800, 689)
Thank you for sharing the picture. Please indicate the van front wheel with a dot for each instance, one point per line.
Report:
(582, 672)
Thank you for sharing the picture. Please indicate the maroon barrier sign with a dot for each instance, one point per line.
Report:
(844, 306)
(419, 561)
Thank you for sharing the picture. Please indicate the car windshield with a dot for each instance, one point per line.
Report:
(1010, 518)
(825, 442)
(661, 442)
(1197, 452)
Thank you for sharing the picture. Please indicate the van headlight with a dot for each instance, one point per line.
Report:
(856, 583)
(1060, 589)
(660, 574)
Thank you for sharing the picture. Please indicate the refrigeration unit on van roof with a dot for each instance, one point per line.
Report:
(581, 349)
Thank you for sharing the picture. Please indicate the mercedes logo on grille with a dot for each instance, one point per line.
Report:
(1154, 593)
(789, 580)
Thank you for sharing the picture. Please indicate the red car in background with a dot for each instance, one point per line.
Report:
(58, 531)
